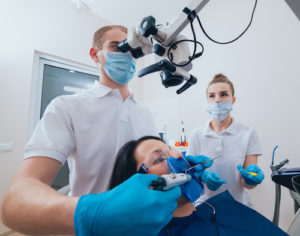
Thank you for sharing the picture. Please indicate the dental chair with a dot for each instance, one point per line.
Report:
(289, 178)
(294, 228)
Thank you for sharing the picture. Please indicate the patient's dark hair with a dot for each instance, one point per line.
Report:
(125, 165)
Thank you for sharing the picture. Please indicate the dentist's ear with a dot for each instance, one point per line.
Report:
(93, 54)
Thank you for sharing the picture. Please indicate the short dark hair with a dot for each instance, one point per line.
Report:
(125, 164)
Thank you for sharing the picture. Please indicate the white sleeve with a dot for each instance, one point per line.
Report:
(254, 147)
(151, 125)
(53, 136)
(194, 144)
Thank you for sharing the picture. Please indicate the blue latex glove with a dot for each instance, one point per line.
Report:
(250, 179)
(192, 189)
(194, 160)
(212, 180)
(128, 209)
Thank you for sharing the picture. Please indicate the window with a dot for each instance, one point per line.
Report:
(61, 81)
(53, 77)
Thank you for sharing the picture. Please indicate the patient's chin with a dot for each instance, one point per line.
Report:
(184, 207)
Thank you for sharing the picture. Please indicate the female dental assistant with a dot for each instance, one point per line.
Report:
(236, 144)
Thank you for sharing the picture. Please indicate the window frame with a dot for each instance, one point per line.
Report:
(40, 60)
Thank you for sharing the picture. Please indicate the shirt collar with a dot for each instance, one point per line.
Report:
(99, 90)
(232, 129)
(207, 130)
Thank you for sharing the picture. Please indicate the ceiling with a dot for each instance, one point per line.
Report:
(129, 13)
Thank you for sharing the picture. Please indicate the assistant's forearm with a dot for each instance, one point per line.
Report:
(249, 159)
(247, 186)
(32, 207)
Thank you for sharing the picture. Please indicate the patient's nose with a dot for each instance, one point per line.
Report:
(174, 153)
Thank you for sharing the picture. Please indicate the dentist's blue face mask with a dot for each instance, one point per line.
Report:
(191, 190)
(219, 110)
(120, 67)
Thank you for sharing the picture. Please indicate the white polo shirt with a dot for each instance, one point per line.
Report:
(88, 128)
(233, 145)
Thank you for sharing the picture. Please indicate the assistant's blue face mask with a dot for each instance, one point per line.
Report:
(120, 67)
(219, 110)
(191, 190)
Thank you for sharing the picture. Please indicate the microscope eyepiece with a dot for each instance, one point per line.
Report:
(137, 52)
(124, 46)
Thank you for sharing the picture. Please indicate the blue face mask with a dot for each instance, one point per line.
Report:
(120, 67)
(191, 190)
(219, 110)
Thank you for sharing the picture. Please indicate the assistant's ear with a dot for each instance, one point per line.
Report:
(233, 101)
(93, 54)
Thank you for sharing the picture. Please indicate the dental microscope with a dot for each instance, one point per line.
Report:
(168, 43)
(172, 47)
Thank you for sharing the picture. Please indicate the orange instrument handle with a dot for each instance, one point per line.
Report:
(181, 144)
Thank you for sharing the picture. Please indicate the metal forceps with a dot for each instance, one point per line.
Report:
(202, 163)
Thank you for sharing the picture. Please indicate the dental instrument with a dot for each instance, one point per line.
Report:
(169, 181)
(202, 163)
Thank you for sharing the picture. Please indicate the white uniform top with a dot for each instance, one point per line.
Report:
(233, 145)
(88, 128)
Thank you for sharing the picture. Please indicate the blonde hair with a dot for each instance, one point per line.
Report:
(220, 78)
(100, 32)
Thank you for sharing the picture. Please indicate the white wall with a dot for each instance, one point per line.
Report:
(55, 27)
(264, 66)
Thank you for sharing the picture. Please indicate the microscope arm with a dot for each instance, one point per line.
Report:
(161, 65)
(170, 75)
(167, 36)
(139, 37)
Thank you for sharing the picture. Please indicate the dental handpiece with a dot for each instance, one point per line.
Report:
(168, 181)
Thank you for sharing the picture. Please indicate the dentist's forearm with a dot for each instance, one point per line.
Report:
(32, 207)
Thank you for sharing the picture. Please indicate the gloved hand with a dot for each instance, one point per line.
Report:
(212, 180)
(194, 160)
(128, 209)
(250, 179)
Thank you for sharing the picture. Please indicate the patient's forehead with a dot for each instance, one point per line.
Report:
(146, 147)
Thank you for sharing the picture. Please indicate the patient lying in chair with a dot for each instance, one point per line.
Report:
(219, 215)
